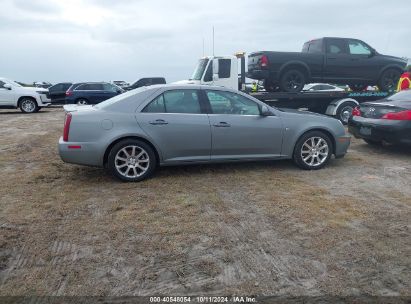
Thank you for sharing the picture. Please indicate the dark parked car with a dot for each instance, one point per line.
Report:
(386, 120)
(91, 92)
(145, 82)
(330, 60)
(57, 92)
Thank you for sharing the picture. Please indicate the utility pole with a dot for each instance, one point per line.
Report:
(213, 40)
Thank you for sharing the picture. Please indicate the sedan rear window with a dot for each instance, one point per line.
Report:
(403, 96)
(119, 98)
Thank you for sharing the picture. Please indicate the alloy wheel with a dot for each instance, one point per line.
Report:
(132, 161)
(314, 151)
(390, 79)
(294, 81)
(28, 105)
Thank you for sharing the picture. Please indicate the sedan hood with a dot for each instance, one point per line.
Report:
(300, 112)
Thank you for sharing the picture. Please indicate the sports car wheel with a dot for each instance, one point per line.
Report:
(313, 150)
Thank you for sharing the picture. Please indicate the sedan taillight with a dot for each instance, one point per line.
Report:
(67, 122)
(356, 111)
(402, 115)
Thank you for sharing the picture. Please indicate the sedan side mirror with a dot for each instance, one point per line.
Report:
(7, 86)
(265, 111)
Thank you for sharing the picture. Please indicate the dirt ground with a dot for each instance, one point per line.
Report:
(256, 228)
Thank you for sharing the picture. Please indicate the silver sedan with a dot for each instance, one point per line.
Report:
(135, 132)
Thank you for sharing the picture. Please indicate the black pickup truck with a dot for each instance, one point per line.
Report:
(334, 60)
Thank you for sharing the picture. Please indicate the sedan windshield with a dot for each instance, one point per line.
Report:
(401, 96)
(199, 71)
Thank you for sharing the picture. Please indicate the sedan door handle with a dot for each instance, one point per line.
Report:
(158, 122)
(332, 58)
(222, 124)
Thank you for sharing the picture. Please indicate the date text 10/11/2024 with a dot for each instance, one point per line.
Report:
(198, 299)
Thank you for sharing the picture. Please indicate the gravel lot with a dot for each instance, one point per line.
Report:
(256, 228)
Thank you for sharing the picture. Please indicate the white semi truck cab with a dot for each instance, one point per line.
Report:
(215, 70)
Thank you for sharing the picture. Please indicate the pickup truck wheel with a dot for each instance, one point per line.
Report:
(389, 80)
(313, 150)
(292, 81)
(28, 105)
(344, 111)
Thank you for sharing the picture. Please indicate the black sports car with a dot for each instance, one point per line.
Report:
(386, 120)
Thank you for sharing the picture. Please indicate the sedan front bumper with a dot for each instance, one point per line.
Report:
(391, 131)
(341, 145)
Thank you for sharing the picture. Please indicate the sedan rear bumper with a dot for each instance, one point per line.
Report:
(81, 153)
(391, 131)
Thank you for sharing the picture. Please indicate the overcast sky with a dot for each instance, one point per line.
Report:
(93, 40)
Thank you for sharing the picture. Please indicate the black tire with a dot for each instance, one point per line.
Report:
(389, 80)
(149, 159)
(298, 151)
(270, 85)
(358, 87)
(82, 101)
(373, 142)
(292, 81)
(28, 105)
(344, 111)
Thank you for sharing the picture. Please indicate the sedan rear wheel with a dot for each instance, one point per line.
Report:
(131, 160)
(313, 150)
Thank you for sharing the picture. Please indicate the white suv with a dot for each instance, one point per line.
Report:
(28, 99)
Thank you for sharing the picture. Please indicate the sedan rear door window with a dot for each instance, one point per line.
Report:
(177, 101)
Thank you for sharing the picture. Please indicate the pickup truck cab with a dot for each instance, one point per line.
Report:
(28, 99)
(331, 60)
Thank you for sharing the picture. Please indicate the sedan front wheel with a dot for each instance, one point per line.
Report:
(313, 150)
(131, 160)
